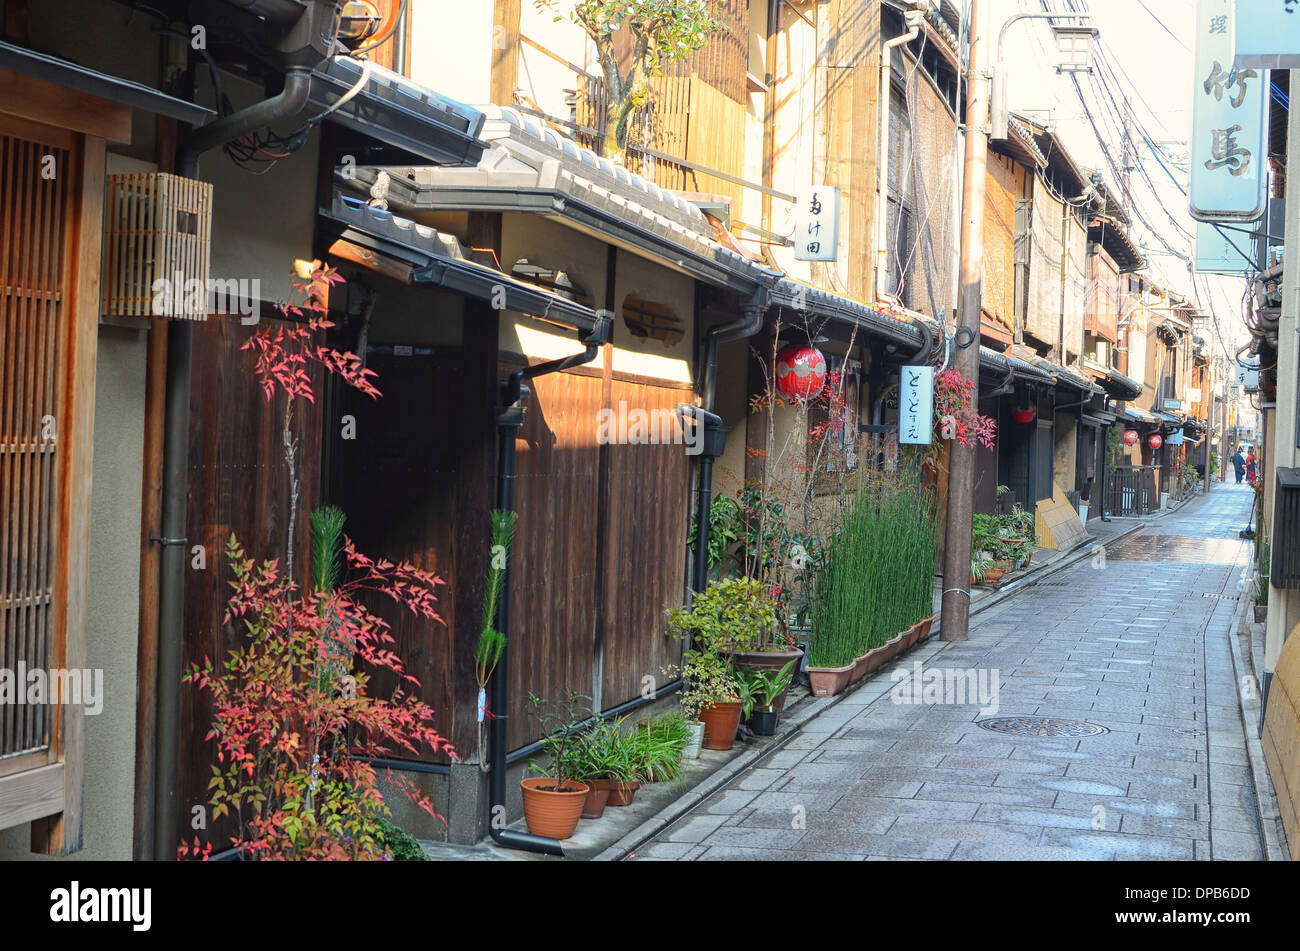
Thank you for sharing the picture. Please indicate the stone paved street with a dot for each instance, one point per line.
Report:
(1136, 645)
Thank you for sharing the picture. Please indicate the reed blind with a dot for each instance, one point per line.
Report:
(35, 201)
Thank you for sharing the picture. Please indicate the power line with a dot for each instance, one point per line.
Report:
(1142, 3)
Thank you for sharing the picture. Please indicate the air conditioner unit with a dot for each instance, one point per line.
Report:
(157, 246)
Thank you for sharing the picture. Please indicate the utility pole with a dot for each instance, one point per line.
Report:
(955, 619)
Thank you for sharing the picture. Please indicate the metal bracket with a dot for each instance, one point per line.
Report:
(169, 541)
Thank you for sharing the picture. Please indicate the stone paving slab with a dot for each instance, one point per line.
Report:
(1138, 647)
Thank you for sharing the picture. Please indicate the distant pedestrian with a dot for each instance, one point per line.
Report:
(1239, 463)
(1250, 467)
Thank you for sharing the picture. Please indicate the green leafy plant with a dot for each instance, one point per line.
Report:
(602, 751)
(400, 844)
(732, 614)
(561, 722)
(760, 688)
(707, 678)
(661, 31)
(656, 748)
(1114, 448)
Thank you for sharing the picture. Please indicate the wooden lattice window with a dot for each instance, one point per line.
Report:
(652, 320)
(51, 182)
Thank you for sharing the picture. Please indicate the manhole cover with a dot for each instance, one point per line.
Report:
(1042, 726)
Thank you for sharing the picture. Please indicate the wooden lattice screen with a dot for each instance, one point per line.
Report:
(35, 199)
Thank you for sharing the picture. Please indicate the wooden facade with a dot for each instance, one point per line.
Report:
(238, 485)
(51, 204)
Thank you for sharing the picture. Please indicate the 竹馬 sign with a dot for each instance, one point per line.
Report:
(915, 405)
(1266, 33)
(1229, 161)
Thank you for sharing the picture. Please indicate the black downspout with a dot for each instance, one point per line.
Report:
(509, 419)
(705, 422)
(746, 326)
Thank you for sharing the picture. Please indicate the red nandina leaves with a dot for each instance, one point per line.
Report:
(282, 354)
(294, 744)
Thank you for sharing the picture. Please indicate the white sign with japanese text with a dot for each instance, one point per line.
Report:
(817, 224)
(1229, 160)
(1266, 33)
(915, 405)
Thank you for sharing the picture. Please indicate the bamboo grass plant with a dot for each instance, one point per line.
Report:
(878, 573)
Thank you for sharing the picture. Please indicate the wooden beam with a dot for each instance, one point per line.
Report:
(355, 254)
(40, 101)
(61, 834)
(32, 795)
(505, 51)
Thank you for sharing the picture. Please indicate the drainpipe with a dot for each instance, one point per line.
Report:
(882, 155)
(509, 419)
(704, 420)
(304, 40)
(746, 326)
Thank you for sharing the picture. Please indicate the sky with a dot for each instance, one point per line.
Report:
(1148, 45)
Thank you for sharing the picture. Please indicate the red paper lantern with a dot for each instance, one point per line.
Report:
(1024, 415)
(1130, 437)
(800, 371)
(1155, 441)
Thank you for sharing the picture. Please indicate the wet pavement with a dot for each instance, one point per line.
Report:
(1126, 738)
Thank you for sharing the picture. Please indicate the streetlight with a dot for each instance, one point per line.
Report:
(1074, 46)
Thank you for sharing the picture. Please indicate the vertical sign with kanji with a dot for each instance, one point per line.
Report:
(817, 224)
(1229, 159)
(1266, 34)
(915, 405)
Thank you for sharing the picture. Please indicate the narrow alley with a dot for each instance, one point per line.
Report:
(1142, 754)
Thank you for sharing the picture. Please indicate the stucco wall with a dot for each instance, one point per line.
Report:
(261, 223)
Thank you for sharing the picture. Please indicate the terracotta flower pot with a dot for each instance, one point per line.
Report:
(994, 575)
(551, 812)
(622, 794)
(927, 624)
(720, 723)
(597, 797)
(828, 681)
(894, 646)
(859, 668)
(869, 663)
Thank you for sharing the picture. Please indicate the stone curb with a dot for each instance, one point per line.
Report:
(725, 774)
(1269, 813)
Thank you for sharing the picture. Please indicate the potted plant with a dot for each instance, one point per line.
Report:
(553, 802)
(980, 565)
(760, 689)
(658, 745)
(600, 758)
(712, 695)
(728, 615)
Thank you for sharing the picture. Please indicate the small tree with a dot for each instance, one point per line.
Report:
(662, 31)
(295, 727)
